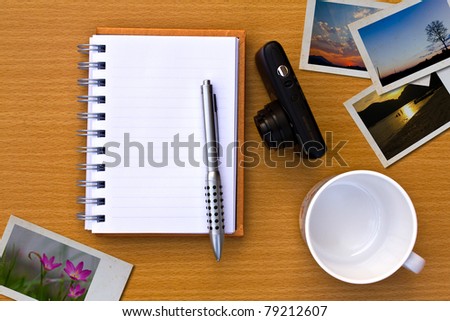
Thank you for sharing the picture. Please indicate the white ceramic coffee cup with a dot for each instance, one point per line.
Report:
(360, 227)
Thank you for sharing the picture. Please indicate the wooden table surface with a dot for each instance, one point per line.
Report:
(38, 158)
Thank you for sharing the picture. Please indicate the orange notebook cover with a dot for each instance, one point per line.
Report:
(239, 224)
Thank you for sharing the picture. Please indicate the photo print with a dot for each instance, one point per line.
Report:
(400, 121)
(328, 45)
(37, 264)
(403, 43)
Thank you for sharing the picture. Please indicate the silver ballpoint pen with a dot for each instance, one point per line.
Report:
(213, 188)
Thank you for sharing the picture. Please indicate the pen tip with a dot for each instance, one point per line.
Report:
(217, 242)
(218, 255)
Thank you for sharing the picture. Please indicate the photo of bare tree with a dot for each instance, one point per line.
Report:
(402, 44)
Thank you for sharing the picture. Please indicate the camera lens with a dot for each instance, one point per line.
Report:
(273, 125)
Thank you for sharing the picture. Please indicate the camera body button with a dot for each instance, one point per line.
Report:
(283, 71)
(288, 83)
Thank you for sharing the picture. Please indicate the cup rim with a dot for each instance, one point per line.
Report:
(322, 263)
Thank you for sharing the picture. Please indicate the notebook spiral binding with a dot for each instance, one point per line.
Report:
(92, 132)
(91, 82)
(91, 117)
(86, 65)
(97, 218)
(95, 116)
(94, 150)
(96, 184)
(86, 48)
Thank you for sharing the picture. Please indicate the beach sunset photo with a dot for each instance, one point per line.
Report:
(401, 120)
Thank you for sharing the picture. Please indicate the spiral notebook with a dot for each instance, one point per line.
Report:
(145, 171)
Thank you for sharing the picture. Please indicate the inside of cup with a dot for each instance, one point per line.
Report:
(361, 227)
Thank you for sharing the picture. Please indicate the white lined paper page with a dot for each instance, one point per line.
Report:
(153, 100)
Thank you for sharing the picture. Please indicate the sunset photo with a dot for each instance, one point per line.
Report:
(405, 45)
(401, 120)
(328, 45)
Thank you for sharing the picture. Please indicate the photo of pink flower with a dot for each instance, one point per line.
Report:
(76, 291)
(49, 264)
(76, 273)
(32, 264)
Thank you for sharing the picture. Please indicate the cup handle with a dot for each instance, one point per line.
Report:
(414, 263)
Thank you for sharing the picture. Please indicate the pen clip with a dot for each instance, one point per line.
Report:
(216, 120)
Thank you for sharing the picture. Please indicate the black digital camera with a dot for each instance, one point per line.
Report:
(287, 119)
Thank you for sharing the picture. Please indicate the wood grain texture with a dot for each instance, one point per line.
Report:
(38, 159)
